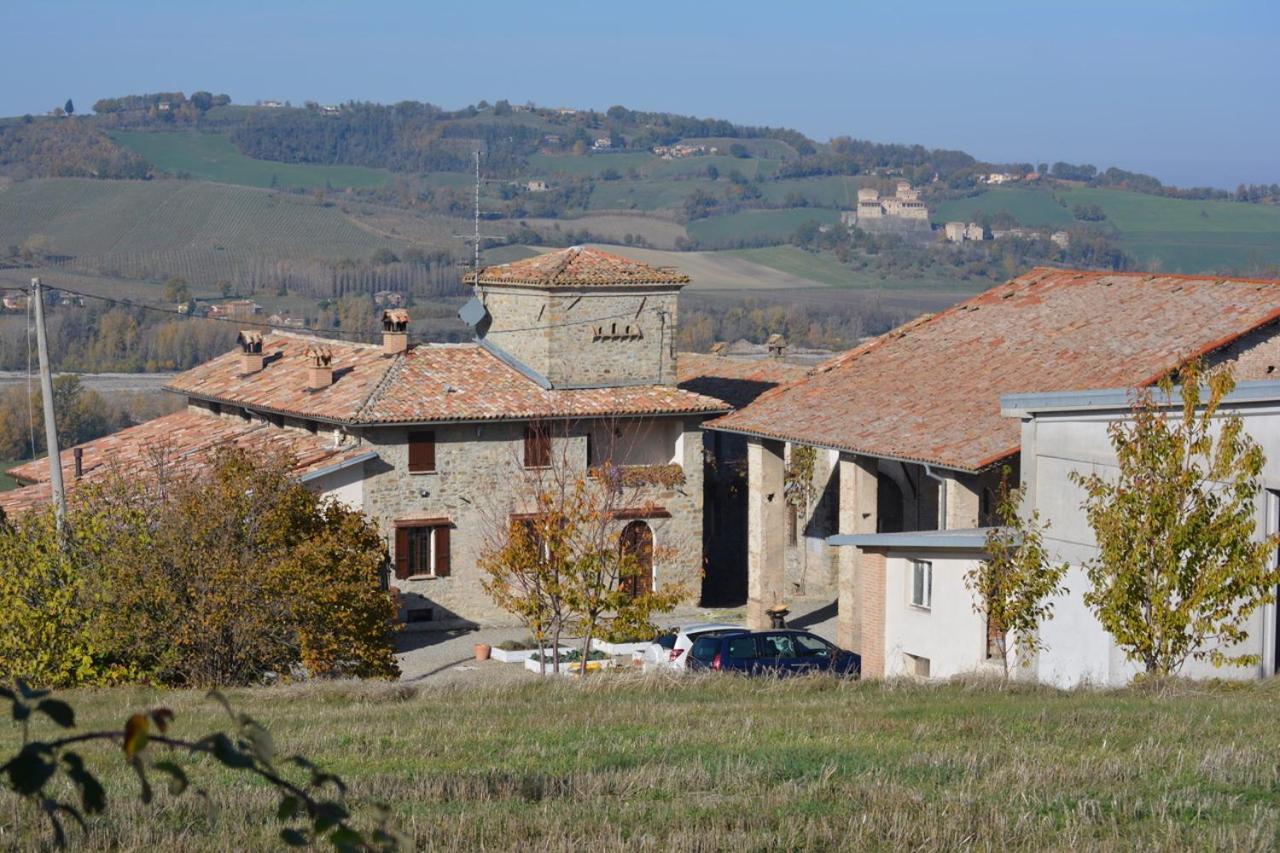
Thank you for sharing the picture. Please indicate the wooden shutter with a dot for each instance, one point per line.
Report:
(402, 552)
(442, 552)
(422, 451)
(537, 447)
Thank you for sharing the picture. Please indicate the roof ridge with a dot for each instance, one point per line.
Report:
(303, 336)
(375, 394)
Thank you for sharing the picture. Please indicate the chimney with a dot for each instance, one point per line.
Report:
(719, 348)
(78, 453)
(319, 367)
(777, 345)
(251, 359)
(395, 331)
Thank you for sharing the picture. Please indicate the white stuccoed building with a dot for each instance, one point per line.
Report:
(930, 623)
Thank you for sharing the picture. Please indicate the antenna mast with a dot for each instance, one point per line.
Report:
(477, 236)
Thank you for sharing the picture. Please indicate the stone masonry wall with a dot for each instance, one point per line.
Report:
(479, 480)
(636, 327)
(1254, 356)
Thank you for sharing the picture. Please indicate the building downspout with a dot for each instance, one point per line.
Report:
(942, 495)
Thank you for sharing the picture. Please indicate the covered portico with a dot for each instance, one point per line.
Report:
(875, 495)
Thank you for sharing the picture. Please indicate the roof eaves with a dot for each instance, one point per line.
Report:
(912, 460)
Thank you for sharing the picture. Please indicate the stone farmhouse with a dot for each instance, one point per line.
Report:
(908, 426)
(930, 625)
(574, 359)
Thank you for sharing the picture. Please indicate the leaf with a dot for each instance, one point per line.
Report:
(227, 753)
(294, 837)
(58, 711)
(222, 700)
(136, 731)
(177, 777)
(27, 692)
(29, 770)
(345, 838)
(142, 780)
(260, 741)
(162, 717)
(92, 796)
(289, 807)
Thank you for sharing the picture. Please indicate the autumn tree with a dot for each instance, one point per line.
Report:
(229, 575)
(1014, 584)
(1180, 567)
(557, 559)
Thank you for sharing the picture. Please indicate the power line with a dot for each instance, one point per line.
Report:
(181, 314)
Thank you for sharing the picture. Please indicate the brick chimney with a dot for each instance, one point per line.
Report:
(78, 455)
(777, 345)
(319, 367)
(395, 331)
(251, 358)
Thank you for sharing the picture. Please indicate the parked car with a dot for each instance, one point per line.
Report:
(670, 651)
(772, 653)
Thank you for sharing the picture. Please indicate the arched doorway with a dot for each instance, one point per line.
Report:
(637, 539)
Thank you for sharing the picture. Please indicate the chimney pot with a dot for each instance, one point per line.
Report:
(395, 331)
(319, 367)
(78, 455)
(251, 358)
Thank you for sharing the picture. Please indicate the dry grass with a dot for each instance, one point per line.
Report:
(725, 763)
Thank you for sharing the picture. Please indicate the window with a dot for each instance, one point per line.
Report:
(779, 646)
(537, 447)
(743, 648)
(921, 584)
(422, 452)
(422, 550)
(812, 647)
(995, 638)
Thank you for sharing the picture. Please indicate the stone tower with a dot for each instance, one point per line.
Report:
(581, 318)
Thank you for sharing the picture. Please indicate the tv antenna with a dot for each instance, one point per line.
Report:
(475, 239)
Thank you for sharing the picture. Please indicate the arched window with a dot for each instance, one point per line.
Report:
(637, 539)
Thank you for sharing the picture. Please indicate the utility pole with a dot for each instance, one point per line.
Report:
(46, 391)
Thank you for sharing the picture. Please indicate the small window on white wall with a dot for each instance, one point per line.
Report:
(921, 584)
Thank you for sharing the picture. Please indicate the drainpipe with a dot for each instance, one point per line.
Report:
(942, 495)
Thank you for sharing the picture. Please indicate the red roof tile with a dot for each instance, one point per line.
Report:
(427, 383)
(737, 381)
(577, 266)
(179, 442)
(930, 391)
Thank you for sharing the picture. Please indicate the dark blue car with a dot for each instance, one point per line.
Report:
(772, 653)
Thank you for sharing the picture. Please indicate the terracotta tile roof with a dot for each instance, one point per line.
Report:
(281, 385)
(577, 266)
(179, 442)
(427, 383)
(930, 391)
(737, 381)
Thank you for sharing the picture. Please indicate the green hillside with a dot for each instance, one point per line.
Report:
(1164, 234)
(212, 157)
(758, 224)
(1033, 208)
(202, 231)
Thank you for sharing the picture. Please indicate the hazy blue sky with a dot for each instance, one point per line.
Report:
(1187, 91)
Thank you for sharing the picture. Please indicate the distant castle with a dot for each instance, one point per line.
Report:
(902, 211)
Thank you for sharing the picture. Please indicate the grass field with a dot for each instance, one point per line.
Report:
(725, 763)
(660, 233)
(1032, 208)
(758, 224)
(212, 157)
(1162, 234)
(196, 229)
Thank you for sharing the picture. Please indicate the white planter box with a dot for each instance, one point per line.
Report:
(618, 648)
(533, 665)
(518, 656)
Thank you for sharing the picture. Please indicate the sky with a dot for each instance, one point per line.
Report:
(1186, 91)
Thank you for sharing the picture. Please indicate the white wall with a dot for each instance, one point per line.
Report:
(645, 441)
(950, 634)
(346, 486)
(1078, 649)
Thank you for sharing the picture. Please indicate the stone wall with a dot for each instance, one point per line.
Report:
(600, 336)
(1254, 356)
(480, 480)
